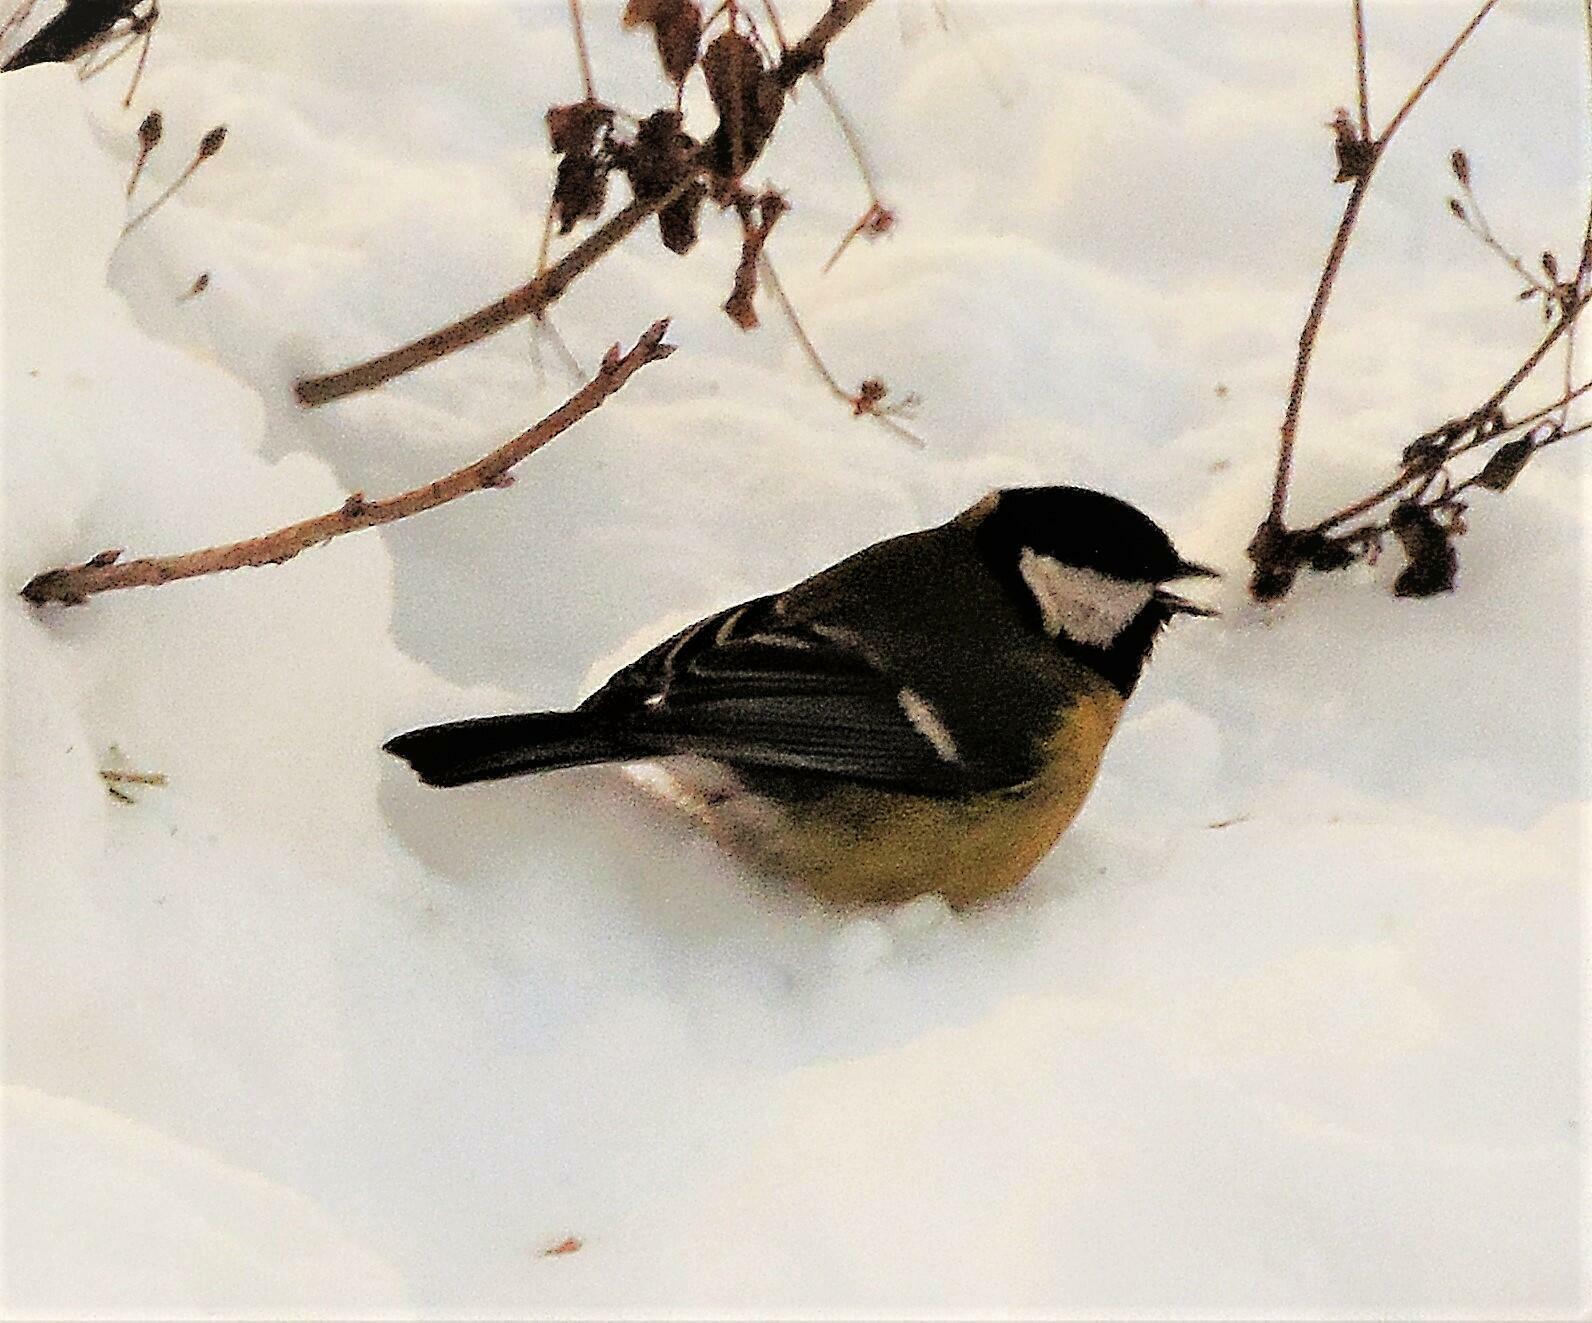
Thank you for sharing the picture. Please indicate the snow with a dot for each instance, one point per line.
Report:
(1290, 1023)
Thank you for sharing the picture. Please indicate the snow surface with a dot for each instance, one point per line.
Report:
(1290, 1023)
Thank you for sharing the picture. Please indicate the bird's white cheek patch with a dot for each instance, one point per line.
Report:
(1088, 607)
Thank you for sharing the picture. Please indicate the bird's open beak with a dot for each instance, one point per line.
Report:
(1181, 605)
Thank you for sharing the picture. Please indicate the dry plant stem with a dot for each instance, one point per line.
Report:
(1560, 328)
(138, 71)
(1359, 70)
(539, 293)
(853, 139)
(578, 26)
(528, 300)
(773, 19)
(771, 282)
(1307, 344)
(1419, 90)
(160, 201)
(1484, 231)
(103, 573)
(1340, 243)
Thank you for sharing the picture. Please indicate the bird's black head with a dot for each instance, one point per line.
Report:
(1086, 569)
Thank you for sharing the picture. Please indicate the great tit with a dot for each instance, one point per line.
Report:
(926, 716)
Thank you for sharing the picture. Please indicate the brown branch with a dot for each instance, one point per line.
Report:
(539, 293)
(1307, 345)
(528, 300)
(1366, 160)
(1430, 77)
(103, 573)
(1492, 402)
(869, 399)
(1359, 70)
(578, 26)
(808, 53)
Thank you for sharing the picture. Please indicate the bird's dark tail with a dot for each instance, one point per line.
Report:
(489, 748)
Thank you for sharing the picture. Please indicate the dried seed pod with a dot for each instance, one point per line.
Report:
(748, 100)
(150, 131)
(573, 129)
(581, 185)
(579, 191)
(1459, 163)
(677, 223)
(676, 29)
(1505, 465)
(1432, 560)
(210, 144)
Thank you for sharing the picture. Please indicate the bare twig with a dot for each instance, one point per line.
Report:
(526, 301)
(105, 572)
(854, 143)
(1474, 218)
(542, 291)
(1307, 344)
(143, 55)
(578, 26)
(1358, 159)
(869, 399)
(1419, 90)
(1359, 70)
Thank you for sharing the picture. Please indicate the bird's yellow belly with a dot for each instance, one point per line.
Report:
(859, 846)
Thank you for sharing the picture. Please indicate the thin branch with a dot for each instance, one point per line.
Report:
(1307, 344)
(1431, 74)
(867, 401)
(143, 59)
(1359, 70)
(1340, 241)
(1560, 328)
(578, 26)
(1474, 218)
(859, 153)
(529, 299)
(209, 145)
(103, 573)
(539, 293)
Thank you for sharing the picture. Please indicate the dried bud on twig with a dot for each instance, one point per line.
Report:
(1355, 155)
(210, 144)
(1460, 164)
(149, 132)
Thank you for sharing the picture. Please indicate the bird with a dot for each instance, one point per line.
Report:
(926, 716)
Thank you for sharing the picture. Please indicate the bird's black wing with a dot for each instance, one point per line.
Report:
(752, 688)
